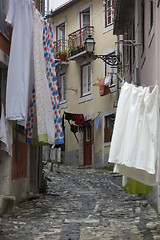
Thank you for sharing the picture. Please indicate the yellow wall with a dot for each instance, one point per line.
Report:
(104, 41)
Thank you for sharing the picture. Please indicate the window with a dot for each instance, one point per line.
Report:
(85, 18)
(88, 135)
(60, 37)
(84, 21)
(63, 87)
(108, 12)
(110, 70)
(108, 127)
(142, 25)
(85, 79)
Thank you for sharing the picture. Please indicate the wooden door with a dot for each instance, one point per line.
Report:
(87, 144)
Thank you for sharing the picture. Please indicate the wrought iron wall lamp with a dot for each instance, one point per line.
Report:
(89, 43)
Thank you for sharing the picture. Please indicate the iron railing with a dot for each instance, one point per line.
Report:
(74, 44)
(77, 38)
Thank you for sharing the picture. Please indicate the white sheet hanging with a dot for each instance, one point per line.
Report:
(45, 114)
(135, 136)
(5, 134)
(19, 70)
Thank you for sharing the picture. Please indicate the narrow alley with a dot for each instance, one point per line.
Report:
(85, 204)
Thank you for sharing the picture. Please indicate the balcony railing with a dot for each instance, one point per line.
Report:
(74, 44)
(60, 46)
(76, 39)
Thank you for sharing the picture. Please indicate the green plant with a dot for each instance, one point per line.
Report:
(64, 52)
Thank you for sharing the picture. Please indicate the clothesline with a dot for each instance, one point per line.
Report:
(32, 94)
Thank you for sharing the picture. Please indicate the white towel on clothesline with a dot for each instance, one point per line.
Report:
(134, 145)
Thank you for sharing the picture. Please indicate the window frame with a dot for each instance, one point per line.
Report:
(107, 139)
(107, 27)
(108, 10)
(63, 91)
(106, 114)
(81, 14)
(83, 9)
(58, 24)
(62, 47)
(82, 93)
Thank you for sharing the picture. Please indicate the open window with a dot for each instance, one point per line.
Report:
(60, 37)
(108, 12)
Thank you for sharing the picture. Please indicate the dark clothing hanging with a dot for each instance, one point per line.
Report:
(74, 128)
(70, 116)
(79, 119)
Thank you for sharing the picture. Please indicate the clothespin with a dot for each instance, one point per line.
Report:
(157, 82)
(132, 83)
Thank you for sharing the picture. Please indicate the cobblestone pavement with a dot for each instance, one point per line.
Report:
(82, 204)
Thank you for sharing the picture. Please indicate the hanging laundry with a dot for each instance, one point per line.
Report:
(104, 90)
(5, 134)
(107, 80)
(134, 145)
(97, 120)
(79, 119)
(20, 69)
(74, 128)
(45, 114)
(59, 80)
(100, 82)
(70, 116)
(135, 187)
(82, 128)
(31, 117)
(52, 79)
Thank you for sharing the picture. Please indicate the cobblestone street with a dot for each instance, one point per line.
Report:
(85, 204)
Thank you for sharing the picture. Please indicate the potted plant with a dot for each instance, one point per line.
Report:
(62, 55)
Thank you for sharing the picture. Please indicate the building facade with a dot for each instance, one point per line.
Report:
(137, 25)
(19, 170)
(85, 144)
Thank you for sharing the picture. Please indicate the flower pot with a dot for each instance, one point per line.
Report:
(62, 57)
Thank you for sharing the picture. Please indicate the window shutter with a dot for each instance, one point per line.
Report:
(63, 87)
(89, 78)
(85, 74)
